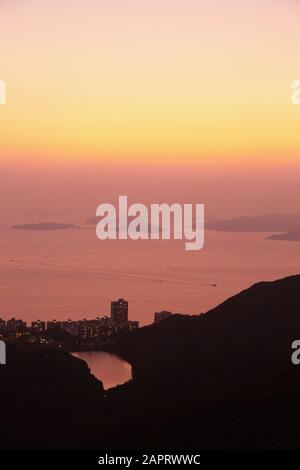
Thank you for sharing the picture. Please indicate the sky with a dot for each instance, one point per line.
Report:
(191, 95)
(185, 101)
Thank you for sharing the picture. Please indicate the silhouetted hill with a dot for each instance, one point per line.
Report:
(44, 394)
(261, 223)
(293, 236)
(223, 379)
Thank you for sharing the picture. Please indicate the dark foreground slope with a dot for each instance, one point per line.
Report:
(43, 392)
(219, 380)
(223, 379)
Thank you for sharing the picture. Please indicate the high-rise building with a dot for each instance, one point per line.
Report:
(2, 325)
(119, 311)
(16, 326)
(11, 325)
(39, 326)
(53, 325)
(21, 326)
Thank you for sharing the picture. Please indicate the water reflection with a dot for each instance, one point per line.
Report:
(110, 369)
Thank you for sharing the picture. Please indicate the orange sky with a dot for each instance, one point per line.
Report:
(184, 101)
(127, 80)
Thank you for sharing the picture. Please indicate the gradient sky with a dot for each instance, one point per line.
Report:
(185, 101)
(135, 80)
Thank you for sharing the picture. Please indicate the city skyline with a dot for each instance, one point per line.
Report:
(71, 335)
(118, 315)
(16, 324)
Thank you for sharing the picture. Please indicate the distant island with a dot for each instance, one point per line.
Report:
(93, 220)
(293, 236)
(261, 223)
(44, 226)
(96, 219)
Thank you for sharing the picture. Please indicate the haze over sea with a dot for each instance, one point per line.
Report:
(65, 274)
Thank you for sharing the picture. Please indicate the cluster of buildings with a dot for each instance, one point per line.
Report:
(100, 327)
(12, 326)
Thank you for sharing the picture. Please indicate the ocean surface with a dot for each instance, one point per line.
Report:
(65, 274)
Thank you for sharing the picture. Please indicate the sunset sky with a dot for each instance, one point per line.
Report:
(134, 80)
(185, 101)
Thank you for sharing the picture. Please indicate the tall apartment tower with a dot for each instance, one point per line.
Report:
(119, 311)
